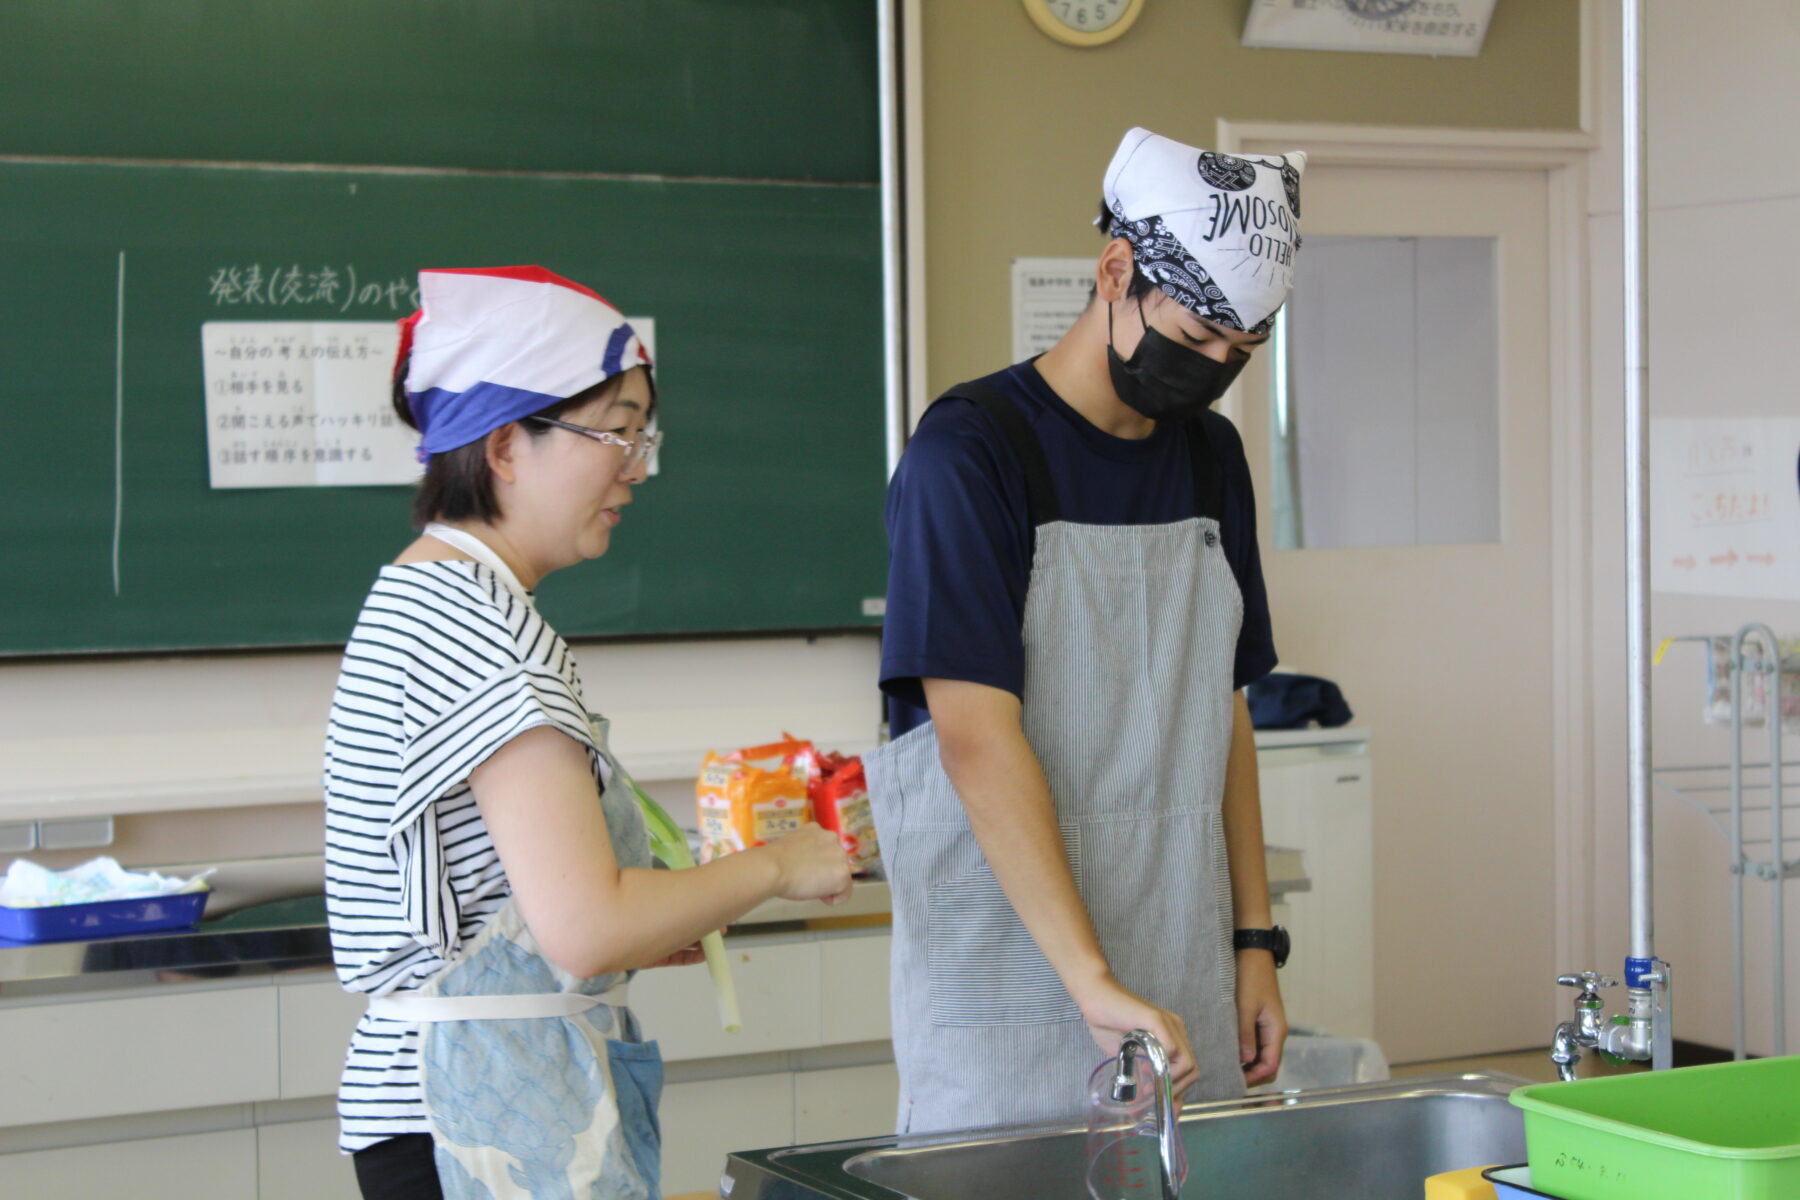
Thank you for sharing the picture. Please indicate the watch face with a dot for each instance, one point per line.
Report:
(1087, 16)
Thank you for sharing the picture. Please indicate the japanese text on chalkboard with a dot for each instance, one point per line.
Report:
(254, 285)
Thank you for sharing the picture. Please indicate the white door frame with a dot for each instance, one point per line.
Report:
(1562, 158)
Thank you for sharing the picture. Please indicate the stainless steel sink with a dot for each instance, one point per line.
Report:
(1370, 1142)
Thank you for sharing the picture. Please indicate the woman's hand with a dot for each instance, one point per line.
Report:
(685, 957)
(1262, 1022)
(1111, 1012)
(812, 865)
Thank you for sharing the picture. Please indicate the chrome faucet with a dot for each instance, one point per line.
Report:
(1644, 1034)
(1124, 1090)
(1588, 1028)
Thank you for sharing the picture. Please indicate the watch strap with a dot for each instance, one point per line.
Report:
(1274, 940)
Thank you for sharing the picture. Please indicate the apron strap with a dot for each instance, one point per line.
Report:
(1015, 430)
(404, 1006)
(1209, 481)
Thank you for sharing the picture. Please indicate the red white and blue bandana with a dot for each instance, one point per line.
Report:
(490, 345)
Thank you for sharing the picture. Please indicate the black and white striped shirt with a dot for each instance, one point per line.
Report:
(445, 666)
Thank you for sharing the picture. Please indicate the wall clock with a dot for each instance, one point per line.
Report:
(1084, 22)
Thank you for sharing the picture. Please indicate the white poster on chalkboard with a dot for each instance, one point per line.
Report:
(307, 404)
(1047, 295)
(303, 404)
(1725, 510)
(1451, 27)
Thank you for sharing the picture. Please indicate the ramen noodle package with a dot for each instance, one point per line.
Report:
(752, 796)
(840, 800)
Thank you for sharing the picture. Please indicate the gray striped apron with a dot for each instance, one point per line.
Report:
(1130, 635)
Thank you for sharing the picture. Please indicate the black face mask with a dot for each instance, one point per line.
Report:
(1166, 381)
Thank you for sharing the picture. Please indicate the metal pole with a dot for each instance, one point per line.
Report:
(1739, 863)
(1637, 489)
(1771, 670)
(893, 269)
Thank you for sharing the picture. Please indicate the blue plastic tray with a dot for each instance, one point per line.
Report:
(103, 918)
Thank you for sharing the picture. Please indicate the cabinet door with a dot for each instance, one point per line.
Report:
(197, 1166)
(705, 1120)
(299, 1160)
(147, 1053)
(778, 996)
(1323, 808)
(845, 1103)
(316, 1021)
(854, 977)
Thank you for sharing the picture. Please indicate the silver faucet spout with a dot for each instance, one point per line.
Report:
(1168, 1133)
(1565, 1051)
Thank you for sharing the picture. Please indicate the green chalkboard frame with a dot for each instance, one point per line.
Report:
(767, 299)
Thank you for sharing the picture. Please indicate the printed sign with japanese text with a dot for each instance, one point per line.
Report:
(1725, 509)
(1048, 294)
(1453, 27)
(303, 404)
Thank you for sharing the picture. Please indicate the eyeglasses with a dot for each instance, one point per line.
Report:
(637, 450)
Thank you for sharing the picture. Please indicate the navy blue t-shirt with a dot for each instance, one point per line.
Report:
(960, 538)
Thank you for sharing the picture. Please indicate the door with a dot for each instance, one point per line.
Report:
(1443, 648)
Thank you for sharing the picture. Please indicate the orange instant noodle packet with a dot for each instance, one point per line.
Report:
(752, 796)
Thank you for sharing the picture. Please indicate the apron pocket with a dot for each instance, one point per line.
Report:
(984, 966)
(637, 1078)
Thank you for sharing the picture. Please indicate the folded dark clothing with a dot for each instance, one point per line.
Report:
(1293, 701)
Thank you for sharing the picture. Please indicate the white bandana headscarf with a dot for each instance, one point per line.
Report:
(1217, 233)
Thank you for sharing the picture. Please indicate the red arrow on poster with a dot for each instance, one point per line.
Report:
(1685, 562)
(1727, 559)
(1767, 560)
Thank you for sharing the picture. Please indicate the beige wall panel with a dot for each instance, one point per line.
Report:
(1018, 129)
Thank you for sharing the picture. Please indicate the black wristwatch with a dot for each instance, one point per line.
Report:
(1275, 941)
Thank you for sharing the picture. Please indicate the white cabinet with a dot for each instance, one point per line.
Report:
(778, 996)
(200, 1166)
(849, 1102)
(705, 1120)
(1319, 800)
(316, 1021)
(299, 1160)
(140, 1053)
(854, 989)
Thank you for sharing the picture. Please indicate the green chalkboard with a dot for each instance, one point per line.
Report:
(713, 164)
(744, 89)
(767, 302)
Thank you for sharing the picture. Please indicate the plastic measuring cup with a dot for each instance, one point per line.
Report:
(1124, 1153)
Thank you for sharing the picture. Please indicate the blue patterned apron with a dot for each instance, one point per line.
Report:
(537, 1083)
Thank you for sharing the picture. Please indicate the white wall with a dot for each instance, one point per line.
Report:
(1724, 342)
(224, 731)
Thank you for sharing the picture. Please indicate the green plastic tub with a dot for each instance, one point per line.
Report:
(1725, 1132)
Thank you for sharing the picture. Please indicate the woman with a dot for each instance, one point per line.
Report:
(487, 865)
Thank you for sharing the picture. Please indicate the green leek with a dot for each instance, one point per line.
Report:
(670, 846)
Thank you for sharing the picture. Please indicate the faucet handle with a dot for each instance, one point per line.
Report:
(1590, 982)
